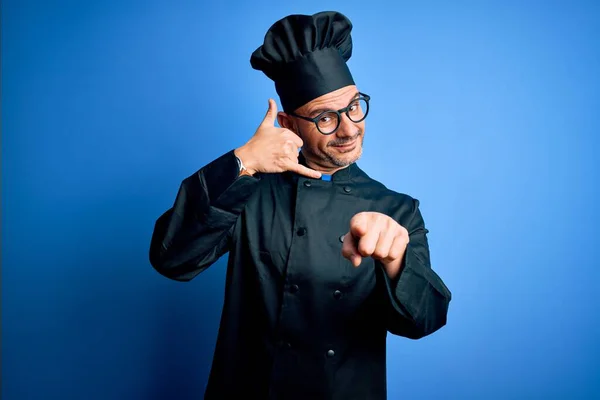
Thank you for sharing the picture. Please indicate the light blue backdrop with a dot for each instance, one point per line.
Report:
(487, 112)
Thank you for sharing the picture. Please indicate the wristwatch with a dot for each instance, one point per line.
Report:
(242, 169)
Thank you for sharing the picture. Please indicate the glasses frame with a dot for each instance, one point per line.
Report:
(345, 110)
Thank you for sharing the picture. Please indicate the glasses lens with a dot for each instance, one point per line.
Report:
(327, 123)
(358, 110)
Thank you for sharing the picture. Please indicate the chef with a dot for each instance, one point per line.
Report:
(323, 260)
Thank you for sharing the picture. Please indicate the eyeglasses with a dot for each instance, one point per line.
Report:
(329, 121)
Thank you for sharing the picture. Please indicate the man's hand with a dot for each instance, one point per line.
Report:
(273, 149)
(379, 236)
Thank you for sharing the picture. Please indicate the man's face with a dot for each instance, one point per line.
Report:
(341, 148)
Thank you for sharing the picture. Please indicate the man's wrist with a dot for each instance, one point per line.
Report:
(243, 160)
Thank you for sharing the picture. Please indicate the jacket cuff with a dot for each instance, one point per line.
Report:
(220, 185)
(409, 289)
(218, 175)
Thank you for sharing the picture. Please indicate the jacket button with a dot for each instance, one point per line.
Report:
(301, 231)
(307, 183)
(294, 288)
(330, 353)
(347, 189)
(337, 294)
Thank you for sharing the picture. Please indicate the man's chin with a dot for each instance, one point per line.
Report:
(345, 158)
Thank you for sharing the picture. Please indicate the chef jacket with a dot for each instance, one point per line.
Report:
(299, 321)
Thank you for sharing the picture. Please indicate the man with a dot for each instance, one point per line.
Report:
(323, 260)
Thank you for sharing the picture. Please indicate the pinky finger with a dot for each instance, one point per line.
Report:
(398, 248)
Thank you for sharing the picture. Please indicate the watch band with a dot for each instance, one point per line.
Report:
(242, 168)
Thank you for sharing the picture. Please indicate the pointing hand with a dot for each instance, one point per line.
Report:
(376, 235)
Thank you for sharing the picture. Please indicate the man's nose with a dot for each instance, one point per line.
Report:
(347, 128)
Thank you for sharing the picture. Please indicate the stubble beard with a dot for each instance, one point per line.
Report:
(344, 162)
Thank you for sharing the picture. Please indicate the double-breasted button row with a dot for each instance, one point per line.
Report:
(347, 189)
(287, 345)
(295, 288)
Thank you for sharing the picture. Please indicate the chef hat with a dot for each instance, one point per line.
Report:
(305, 55)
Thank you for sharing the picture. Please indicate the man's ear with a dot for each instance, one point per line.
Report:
(285, 121)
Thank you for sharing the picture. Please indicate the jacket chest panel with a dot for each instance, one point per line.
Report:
(298, 232)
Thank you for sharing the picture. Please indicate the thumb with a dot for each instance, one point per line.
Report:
(271, 114)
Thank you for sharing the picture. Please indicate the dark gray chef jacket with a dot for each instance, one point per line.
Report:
(299, 321)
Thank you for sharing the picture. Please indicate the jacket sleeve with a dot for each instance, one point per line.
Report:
(196, 231)
(418, 298)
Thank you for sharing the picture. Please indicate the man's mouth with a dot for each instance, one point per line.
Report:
(345, 145)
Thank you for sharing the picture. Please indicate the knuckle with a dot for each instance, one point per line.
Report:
(280, 163)
(397, 254)
(380, 253)
(364, 249)
(394, 253)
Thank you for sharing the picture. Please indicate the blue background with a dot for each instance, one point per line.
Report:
(487, 112)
